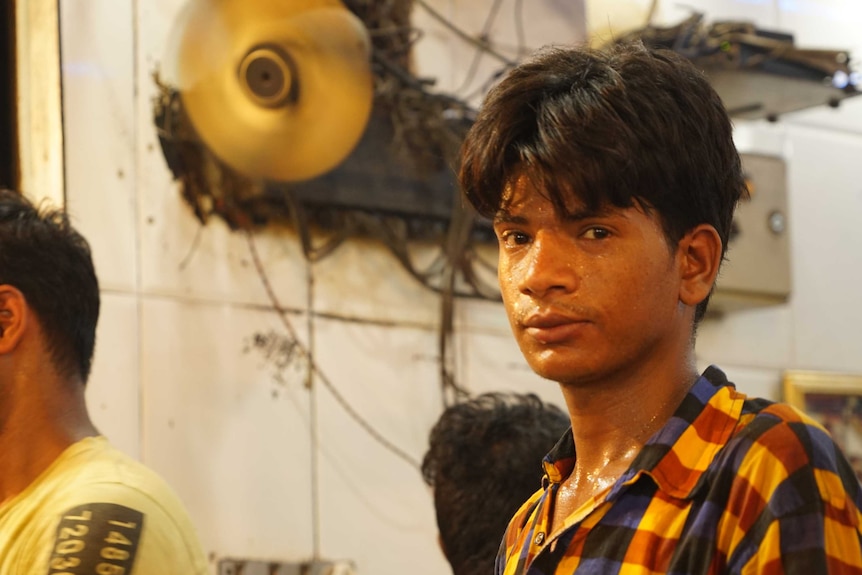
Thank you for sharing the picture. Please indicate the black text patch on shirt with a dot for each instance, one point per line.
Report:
(96, 538)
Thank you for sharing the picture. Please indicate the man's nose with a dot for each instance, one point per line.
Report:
(549, 265)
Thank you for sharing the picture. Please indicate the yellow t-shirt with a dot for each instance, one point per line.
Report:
(96, 511)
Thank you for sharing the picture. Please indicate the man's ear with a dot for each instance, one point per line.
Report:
(699, 259)
(14, 317)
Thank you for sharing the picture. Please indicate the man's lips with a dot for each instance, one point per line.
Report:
(548, 328)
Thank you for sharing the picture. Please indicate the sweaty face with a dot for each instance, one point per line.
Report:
(590, 295)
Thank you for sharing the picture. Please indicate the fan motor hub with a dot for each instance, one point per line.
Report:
(267, 75)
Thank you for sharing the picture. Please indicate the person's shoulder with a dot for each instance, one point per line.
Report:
(766, 419)
(776, 441)
(99, 469)
(783, 481)
(109, 498)
(110, 534)
(778, 428)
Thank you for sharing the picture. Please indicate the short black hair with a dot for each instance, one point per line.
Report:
(49, 262)
(623, 125)
(484, 460)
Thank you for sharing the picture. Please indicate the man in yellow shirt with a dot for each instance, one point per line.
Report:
(69, 502)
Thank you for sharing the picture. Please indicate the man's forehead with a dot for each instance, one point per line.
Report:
(524, 186)
(527, 195)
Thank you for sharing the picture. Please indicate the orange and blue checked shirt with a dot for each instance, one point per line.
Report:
(729, 485)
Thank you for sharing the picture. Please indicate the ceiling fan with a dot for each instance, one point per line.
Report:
(280, 91)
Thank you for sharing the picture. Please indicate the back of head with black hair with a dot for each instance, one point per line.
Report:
(622, 126)
(483, 462)
(49, 262)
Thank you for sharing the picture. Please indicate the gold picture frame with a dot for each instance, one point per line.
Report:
(835, 401)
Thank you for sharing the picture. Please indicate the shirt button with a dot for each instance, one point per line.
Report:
(540, 538)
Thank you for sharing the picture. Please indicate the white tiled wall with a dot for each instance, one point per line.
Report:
(227, 426)
(114, 389)
(374, 507)
(827, 246)
(361, 279)
(191, 373)
(100, 128)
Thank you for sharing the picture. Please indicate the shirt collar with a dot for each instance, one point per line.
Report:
(677, 456)
(560, 461)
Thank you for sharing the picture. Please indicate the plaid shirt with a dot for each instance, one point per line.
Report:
(729, 485)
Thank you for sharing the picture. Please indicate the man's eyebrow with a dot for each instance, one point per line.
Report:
(587, 213)
(504, 216)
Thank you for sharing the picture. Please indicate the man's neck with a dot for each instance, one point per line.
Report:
(612, 419)
(35, 431)
(611, 422)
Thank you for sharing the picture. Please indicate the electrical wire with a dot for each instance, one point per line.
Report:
(312, 365)
(412, 81)
(440, 275)
(397, 246)
(300, 222)
(483, 89)
(314, 415)
(477, 53)
(193, 248)
(461, 222)
(485, 291)
(463, 35)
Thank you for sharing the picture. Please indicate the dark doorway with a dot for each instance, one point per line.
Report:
(8, 108)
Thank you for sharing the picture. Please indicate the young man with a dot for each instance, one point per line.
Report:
(483, 460)
(69, 502)
(612, 178)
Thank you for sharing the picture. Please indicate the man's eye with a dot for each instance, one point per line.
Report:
(596, 234)
(511, 239)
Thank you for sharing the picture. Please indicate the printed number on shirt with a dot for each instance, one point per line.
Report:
(100, 538)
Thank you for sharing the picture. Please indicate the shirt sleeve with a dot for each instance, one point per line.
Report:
(117, 530)
(793, 506)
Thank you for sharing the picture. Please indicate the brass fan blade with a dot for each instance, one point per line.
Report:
(277, 90)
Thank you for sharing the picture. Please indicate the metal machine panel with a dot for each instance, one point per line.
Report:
(757, 270)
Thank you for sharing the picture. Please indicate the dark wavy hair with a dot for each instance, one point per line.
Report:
(49, 262)
(483, 462)
(618, 126)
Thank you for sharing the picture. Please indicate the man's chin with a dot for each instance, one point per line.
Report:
(550, 369)
(558, 367)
